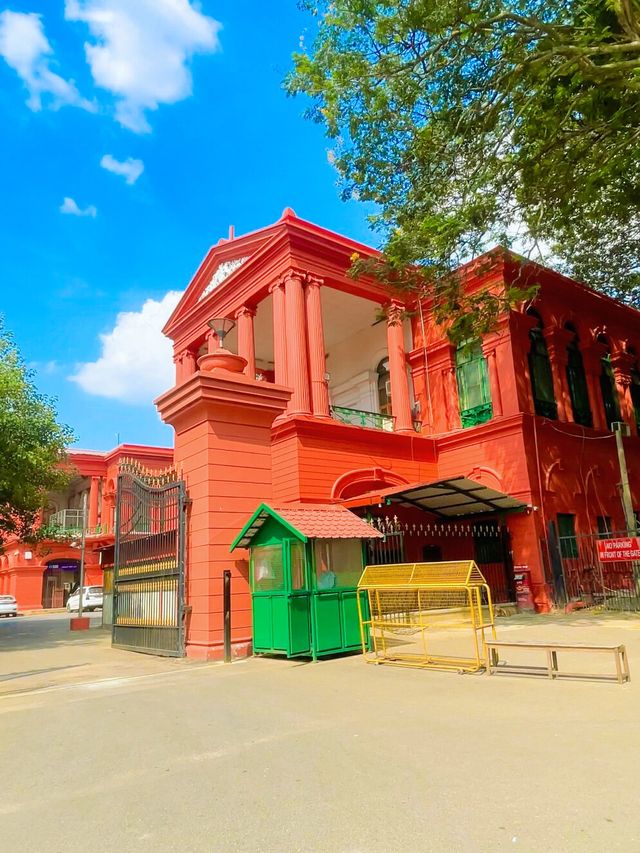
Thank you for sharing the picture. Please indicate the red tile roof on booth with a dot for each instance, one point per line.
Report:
(309, 521)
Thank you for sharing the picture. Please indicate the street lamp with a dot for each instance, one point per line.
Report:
(221, 326)
(79, 623)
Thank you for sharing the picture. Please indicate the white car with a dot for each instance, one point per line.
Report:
(91, 599)
(8, 606)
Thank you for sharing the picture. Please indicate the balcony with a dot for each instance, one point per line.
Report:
(357, 417)
(372, 420)
(67, 524)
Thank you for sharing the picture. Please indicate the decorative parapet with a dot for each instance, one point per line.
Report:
(149, 476)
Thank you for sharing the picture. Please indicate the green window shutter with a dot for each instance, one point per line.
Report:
(567, 535)
(577, 382)
(609, 392)
(541, 376)
(473, 385)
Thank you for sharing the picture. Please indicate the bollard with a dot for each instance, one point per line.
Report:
(226, 606)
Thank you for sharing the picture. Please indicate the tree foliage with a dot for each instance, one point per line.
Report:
(475, 122)
(32, 444)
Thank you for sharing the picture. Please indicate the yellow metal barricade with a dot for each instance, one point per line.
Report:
(431, 615)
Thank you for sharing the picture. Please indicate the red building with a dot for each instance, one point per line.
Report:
(41, 575)
(484, 451)
(459, 452)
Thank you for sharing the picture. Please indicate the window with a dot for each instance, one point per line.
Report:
(338, 563)
(268, 568)
(384, 387)
(473, 384)
(567, 535)
(577, 382)
(609, 391)
(544, 399)
(297, 565)
(604, 526)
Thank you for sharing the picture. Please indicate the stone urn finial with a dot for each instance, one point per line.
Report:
(217, 357)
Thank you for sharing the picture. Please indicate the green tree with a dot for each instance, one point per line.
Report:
(475, 122)
(32, 444)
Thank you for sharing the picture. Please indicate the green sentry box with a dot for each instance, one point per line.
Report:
(303, 589)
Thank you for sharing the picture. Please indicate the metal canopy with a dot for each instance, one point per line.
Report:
(451, 498)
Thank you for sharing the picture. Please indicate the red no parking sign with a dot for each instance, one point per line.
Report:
(610, 550)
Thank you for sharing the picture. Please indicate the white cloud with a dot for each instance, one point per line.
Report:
(130, 169)
(141, 51)
(136, 362)
(71, 207)
(25, 48)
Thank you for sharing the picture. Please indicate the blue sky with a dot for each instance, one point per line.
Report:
(192, 95)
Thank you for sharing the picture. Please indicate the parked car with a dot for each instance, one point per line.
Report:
(91, 599)
(8, 606)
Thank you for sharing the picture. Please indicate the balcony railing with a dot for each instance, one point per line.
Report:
(373, 420)
(357, 417)
(68, 523)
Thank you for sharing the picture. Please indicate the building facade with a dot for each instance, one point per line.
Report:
(330, 390)
(347, 394)
(41, 574)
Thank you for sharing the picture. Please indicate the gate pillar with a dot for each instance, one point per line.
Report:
(222, 422)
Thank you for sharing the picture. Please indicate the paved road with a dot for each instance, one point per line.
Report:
(338, 756)
(40, 651)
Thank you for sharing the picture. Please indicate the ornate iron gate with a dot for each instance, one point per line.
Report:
(486, 541)
(586, 577)
(148, 580)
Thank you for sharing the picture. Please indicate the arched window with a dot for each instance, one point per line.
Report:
(384, 387)
(474, 395)
(544, 398)
(577, 382)
(608, 388)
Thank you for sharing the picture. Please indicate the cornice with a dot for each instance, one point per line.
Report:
(231, 390)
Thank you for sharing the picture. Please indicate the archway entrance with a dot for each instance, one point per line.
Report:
(59, 578)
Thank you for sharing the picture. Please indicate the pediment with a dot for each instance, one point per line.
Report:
(221, 272)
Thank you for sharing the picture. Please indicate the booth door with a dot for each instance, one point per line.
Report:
(280, 598)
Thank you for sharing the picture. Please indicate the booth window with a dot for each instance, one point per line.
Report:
(268, 568)
(567, 535)
(297, 565)
(544, 399)
(384, 387)
(473, 384)
(338, 563)
(577, 382)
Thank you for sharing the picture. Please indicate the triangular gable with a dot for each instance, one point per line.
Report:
(259, 517)
(220, 262)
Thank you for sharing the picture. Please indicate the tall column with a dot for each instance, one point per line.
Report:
(489, 352)
(297, 361)
(317, 362)
(93, 503)
(400, 399)
(622, 364)
(557, 341)
(279, 334)
(592, 359)
(185, 363)
(246, 339)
